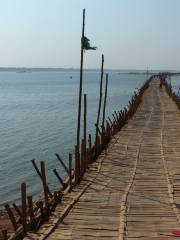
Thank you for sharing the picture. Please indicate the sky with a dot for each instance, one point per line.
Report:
(132, 34)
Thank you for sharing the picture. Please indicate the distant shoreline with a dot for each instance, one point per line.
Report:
(57, 69)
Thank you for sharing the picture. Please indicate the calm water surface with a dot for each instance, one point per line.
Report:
(175, 81)
(38, 112)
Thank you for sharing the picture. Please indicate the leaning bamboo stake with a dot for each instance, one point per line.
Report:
(104, 107)
(11, 217)
(39, 174)
(62, 163)
(59, 178)
(85, 132)
(24, 208)
(43, 174)
(100, 98)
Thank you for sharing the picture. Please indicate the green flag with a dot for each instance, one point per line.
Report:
(86, 44)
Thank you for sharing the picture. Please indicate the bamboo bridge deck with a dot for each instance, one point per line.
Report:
(133, 190)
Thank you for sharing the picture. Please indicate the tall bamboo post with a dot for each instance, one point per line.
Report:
(104, 107)
(77, 163)
(85, 131)
(100, 98)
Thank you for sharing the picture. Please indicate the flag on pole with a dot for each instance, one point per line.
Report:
(86, 44)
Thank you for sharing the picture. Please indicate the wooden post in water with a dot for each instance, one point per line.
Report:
(77, 163)
(100, 100)
(85, 131)
(24, 208)
(104, 107)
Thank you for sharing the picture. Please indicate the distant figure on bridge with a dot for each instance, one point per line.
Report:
(162, 81)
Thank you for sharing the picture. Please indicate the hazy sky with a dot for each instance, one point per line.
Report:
(130, 33)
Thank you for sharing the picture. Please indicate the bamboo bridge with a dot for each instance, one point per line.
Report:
(132, 190)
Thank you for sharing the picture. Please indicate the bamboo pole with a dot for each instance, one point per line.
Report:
(82, 157)
(62, 163)
(100, 98)
(80, 85)
(11, 217)
(104, 107)
(59, 178)
(90, 149)
(85, 131)
(39, 174)
(43, 174)
(77, 165)
(24, 208)
(90, 142)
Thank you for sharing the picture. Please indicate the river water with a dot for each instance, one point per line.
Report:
(38, 118)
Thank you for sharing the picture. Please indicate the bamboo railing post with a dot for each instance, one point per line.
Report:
(43, 174)
(24, 208)
(70, 170)
(85, 131)
(82, 158)
(90, 148)
(80, 93)
(77, 165)
(11, 217)
(90, 142)
(100, 99)
(110, 121)
(30, 209)
(104, 107)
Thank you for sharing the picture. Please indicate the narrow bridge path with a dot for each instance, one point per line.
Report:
(133, 190)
